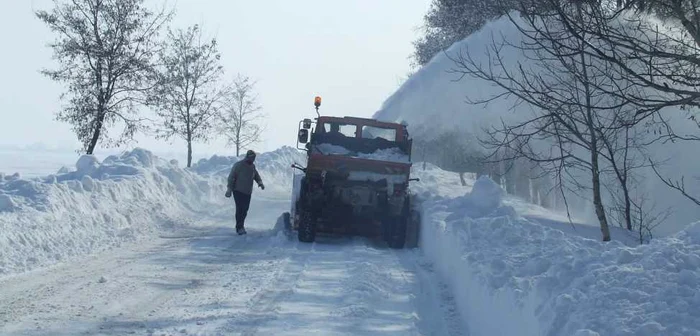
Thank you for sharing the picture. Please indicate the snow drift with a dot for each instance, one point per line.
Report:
(97, 206)
(433, 100)
(100, 205)
(514, 276)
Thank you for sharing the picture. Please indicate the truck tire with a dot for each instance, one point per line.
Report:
(397, 239)
(307, 227)
(287, 220)
(413, 230)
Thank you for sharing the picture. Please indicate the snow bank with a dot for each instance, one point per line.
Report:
(96, 206)
(512, 276)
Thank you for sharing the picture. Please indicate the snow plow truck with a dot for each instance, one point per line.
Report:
(355, 182)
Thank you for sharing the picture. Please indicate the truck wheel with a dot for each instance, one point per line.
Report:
(397, 239)
(413, 230)
(307, 227)
(287, 220)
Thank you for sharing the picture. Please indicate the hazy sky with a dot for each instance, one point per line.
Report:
(352, 53)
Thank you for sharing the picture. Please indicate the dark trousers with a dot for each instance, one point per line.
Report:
(242, 205)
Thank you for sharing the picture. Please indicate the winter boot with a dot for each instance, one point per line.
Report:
(240, 231)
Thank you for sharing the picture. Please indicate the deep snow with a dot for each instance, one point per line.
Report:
(542, 281)
(518, 269)
(506, 271)
(99, 205)
(196, 277)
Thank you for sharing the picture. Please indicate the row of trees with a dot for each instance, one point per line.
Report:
(120, 73)
(604, 82)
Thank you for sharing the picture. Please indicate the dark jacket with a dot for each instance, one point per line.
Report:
(242, 176)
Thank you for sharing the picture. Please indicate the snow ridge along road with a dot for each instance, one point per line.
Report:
(205, 280)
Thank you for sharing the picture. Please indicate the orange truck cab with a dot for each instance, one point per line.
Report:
(356, 180)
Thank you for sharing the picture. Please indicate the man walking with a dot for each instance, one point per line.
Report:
(240, 185)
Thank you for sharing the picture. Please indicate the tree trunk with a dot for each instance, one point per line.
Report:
(597, 200)
(628, 207)
(189, 147)
(96, 134)
(595, 167)
(461, 179)
(189, 153)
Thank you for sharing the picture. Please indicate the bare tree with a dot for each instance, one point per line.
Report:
(660, 59)
(189, 93)
(678, 186)
(655, 60)
(241, 117)
(571, 117)
(104, 49)
(449, 21)
(626, 155)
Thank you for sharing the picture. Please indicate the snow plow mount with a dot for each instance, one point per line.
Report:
(299, 167)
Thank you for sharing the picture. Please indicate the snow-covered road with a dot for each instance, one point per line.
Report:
(205, 280)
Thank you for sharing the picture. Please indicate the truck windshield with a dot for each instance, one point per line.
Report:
(344, 129)
(371, 132)
(355, 138)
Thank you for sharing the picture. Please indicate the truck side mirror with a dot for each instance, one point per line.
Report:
(307, 123)
(303, 136)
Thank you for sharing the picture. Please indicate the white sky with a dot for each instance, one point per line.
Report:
(352, 53)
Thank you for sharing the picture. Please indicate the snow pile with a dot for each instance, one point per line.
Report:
(96, 206)
(541, 281)
(485, 199)
(389, 154)
(274, 168)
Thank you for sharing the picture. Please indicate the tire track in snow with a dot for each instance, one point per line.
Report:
(351, 286)
(207, 281)
(430, 295)
(264, 305)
